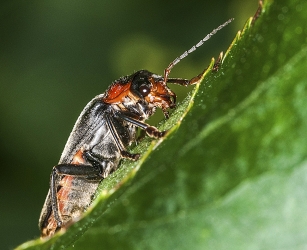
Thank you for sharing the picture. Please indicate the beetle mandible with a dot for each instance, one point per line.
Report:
(99, 138)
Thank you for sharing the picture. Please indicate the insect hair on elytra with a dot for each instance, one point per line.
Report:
(167, 71)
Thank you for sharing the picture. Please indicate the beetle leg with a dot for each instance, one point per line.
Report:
(150, 130)
(218, 62)
(186, 82)
(118, 142)
(196, 79)
(104, 167)
(78, 170)
(54, 200)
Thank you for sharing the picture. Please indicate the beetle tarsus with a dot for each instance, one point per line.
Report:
(154, 132)
(166, 113)
(59, 225)
(218, 63)
(133, 157)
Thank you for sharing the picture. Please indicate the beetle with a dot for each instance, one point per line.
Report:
(98, 141)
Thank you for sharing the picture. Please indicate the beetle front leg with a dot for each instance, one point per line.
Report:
(150, 130)
(186, 82)
(196, 79)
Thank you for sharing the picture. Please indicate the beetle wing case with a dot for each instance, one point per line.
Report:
(91, 132)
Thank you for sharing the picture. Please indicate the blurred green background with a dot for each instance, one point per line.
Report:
(57, 55)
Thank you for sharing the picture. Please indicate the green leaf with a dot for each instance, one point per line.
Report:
(232, 172)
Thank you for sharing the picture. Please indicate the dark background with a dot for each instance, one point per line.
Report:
(55, 56)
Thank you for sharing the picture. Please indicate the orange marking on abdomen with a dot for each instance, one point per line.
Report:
(78, 158)
(62, 195)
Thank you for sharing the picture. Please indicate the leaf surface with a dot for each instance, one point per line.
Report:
(232, 172)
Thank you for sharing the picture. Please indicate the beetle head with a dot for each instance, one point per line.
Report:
(153, 90)
(143, 87)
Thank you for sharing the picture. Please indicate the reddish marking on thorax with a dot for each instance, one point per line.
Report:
(117, 92)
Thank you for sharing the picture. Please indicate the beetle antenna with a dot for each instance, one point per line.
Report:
(167, 71)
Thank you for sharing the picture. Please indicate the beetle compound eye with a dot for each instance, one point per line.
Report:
(144, 90)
